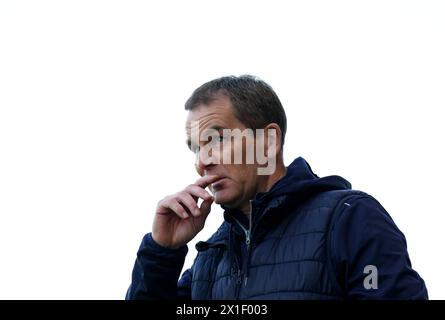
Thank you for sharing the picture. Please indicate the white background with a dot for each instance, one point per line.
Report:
(92, 121)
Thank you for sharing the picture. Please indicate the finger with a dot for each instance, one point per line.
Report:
(198, 192)
(177, 208)
(206, 180)
(187, 201)
(205, 207)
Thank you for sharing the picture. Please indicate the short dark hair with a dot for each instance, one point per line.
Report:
(255, 102)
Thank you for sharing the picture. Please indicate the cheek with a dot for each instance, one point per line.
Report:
(240, 174)
(249, 177)
(233, 153)
(224, 154)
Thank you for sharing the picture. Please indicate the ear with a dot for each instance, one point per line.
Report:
(272, 140)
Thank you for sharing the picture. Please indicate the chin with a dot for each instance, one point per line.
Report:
(223, 198)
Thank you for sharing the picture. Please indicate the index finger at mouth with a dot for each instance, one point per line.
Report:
(206, 180)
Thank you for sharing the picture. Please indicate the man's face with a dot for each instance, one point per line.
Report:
(239, 182)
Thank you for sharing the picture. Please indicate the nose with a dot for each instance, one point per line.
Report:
(204, 161)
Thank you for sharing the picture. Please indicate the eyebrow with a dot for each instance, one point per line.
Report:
(216, 127)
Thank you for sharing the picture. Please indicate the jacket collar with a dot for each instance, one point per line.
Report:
(268, 208)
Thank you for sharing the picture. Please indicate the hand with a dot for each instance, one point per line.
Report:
(178, 218)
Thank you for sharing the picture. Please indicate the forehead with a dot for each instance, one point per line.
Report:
(219, 112)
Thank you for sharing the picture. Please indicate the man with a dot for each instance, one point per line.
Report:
(287, 234)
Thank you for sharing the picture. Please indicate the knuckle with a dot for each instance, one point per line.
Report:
(163, 201)
(192, 189)
(177, 207)
(178, 196)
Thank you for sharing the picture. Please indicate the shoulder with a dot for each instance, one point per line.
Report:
(359, 209)
(359, 222)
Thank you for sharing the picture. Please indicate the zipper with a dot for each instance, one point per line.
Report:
(245, 266)
(246, 231)
(238, 277)
(248, 242)
(237, 272)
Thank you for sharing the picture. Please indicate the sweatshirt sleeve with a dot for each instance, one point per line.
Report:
(156, 272)
(370, 256)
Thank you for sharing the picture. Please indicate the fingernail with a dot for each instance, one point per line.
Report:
(197, 212)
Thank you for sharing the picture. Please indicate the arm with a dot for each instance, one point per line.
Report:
(156, 272)
(160, 258)
(365, 235)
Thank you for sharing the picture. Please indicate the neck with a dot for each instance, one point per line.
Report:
(266, 184)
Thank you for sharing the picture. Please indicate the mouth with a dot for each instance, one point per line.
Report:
(218, 184)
